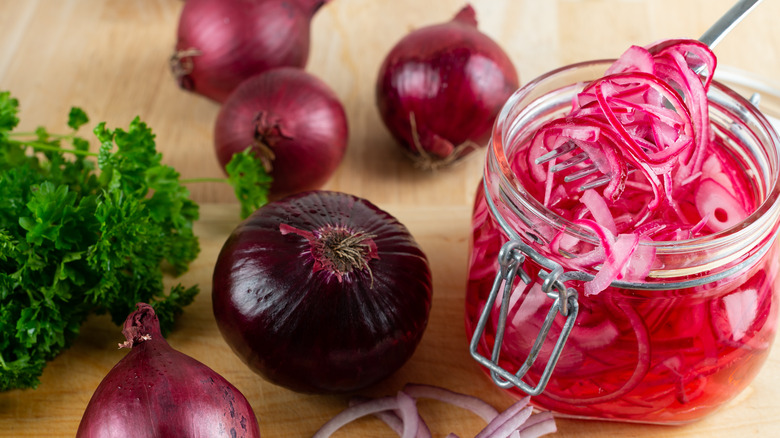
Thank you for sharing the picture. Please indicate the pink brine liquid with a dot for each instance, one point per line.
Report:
(671, 355)
(673, 358)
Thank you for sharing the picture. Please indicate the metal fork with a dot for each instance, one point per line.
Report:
(711, 37)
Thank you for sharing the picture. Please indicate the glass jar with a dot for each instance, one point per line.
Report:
(669, 349)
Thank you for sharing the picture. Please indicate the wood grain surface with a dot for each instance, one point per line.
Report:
(110, 57)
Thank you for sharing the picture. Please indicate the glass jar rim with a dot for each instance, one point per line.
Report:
(760, 222)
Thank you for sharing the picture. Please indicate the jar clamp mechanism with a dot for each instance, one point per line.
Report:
(679, 326)
(511, 257)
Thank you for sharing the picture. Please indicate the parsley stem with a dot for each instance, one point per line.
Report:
(47, 147)
(203, 180)
(35, 134)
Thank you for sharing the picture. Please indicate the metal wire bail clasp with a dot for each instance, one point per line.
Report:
(510, 259)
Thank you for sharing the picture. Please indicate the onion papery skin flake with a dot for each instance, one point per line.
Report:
(301, 322)
(440, 88)
(158, 392)
(293, 121)
(221, 43)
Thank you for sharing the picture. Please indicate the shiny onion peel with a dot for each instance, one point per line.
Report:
(322, 292)
(440, 89)
(294, 123)
(220, 43)
(156, 391)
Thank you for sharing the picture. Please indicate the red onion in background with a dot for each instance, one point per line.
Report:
(220, 43)
(156, 391)
(293, 121)
(322, 292)
(441, 87)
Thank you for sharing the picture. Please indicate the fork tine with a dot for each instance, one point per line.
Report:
(557, 152)
(569, 162)
(598, 182)
(581, 173)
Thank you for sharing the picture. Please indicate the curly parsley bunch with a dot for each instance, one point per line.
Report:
(86, 232)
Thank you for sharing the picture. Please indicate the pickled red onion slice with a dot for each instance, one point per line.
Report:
(721, 207)
(401, 414)
(646, 125)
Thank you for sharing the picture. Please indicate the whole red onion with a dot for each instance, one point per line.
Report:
(156, 391)
(322, 292)
(295, 124)
(222, 42)
(441, 87)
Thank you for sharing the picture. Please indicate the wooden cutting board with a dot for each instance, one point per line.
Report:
(110, 58)
(56, 407)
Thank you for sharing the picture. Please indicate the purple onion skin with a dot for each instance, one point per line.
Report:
(237, 39)
(156, 391)
(454, 79)
(291, 114)
(292, 320)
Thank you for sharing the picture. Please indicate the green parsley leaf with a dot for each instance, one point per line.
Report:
(9, 108)
(77, 118)
(82, 233)
(250, 180)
